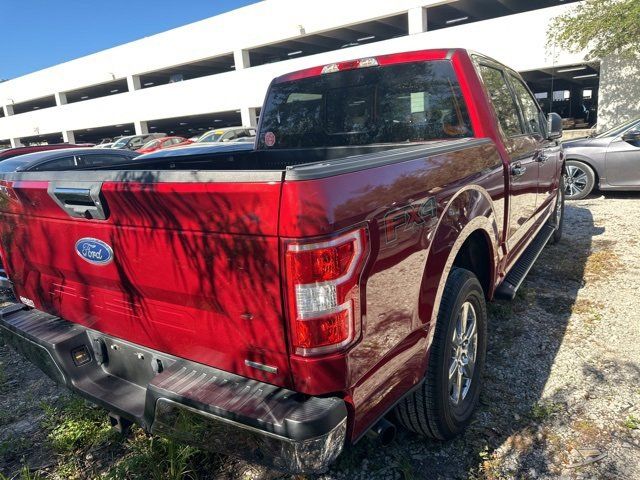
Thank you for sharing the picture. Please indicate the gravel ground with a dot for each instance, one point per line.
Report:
(562, 383)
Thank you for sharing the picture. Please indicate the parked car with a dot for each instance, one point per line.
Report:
(160, 143)
(228, 134)
(14, 152)
(104, 145)
(334, 273)
(608, 161)
(134, 142)
(67, 159)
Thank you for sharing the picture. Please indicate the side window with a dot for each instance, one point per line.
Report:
(167, 143)
(98, 160)
(502, 99)
(531, 112)
(65, 163)
(229, 136)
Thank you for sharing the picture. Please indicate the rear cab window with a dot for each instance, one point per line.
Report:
(407, 102)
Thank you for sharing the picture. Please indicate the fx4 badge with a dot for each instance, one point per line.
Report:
(408, 217)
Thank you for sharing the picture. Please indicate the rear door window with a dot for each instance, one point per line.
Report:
(409, 102)
(502, 99)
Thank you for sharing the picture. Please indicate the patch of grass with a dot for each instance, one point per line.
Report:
(602, 264)
(586, 429)
(542, 411)
(500, 310)
(25, 474)
(76, 425)
(13, 447)
(154, 458)
(632, 422)
(404, 465)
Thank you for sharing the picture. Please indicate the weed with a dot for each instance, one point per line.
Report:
(76, 425)
(403, 463)
(154, 457)
(632, 422)
(542, 411)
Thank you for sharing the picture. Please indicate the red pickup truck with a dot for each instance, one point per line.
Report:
(280, 301)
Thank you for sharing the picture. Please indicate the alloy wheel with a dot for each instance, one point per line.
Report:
(576, 181)
(463, 354)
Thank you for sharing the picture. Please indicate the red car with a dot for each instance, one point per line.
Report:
(280, 301)
(160, 143)
(14, 152)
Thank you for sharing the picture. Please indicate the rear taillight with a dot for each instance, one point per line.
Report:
(323, 292)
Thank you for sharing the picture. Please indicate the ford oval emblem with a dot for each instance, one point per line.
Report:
(94, 251)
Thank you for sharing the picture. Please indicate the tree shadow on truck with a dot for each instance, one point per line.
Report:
(524, 337)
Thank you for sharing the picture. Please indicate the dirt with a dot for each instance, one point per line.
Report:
(562, 383)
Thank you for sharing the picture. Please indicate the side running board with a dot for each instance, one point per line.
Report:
(510, 285)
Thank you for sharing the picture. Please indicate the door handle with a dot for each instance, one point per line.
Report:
(517, 170)
(541, 157)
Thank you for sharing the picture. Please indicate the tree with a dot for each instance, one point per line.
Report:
(599, 27)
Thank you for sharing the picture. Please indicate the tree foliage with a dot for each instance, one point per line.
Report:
(599, 27)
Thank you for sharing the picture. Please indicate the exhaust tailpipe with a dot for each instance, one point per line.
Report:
(384, 432)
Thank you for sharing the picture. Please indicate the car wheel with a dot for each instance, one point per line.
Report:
(442, 406)
(557, 217)
(579, 181)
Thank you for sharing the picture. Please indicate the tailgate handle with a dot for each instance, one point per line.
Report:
(80, 201)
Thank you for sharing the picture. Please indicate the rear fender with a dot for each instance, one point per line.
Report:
(469, 211)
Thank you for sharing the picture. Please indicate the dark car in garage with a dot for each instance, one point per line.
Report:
(16, 151)
(66, 159)
(607, 161)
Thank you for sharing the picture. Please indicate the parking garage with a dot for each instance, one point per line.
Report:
(96, 91)
(195, 125)
(468, 11)
(569, 90)
(351, 36)
(35, 104)
(188, 71)
(96, 135)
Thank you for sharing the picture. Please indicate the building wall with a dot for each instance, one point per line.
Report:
(517, 40)
(619, 91)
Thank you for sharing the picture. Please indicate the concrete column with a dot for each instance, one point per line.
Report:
(61, 98)
(417, 20)
(133, 83)
(68, 136)
(249, 117)
(15, 142)
(141, 127)
(8, 110)
(241, 59)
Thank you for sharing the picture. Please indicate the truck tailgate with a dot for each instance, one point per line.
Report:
(186, 267)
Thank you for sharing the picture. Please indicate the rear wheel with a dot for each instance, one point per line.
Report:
(444, 403)
(579, 181)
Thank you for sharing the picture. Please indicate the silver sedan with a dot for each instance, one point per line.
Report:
(608, 161)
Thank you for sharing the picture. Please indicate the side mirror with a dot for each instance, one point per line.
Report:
(554, 126)
(631, 136)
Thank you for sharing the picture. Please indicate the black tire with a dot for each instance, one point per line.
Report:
(557, 217)
(430, 411)
(580, 180)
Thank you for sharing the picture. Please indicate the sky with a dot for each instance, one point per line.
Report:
(40, 33)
